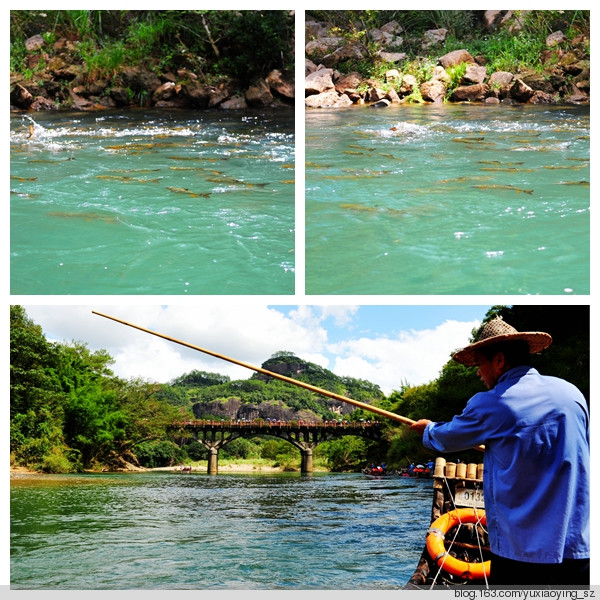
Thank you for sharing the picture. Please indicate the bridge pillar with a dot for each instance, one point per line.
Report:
(213, 461)
(306, 460)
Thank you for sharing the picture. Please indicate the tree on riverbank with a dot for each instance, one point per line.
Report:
(122, 57)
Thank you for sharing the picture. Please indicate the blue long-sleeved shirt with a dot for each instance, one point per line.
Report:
(536, 482)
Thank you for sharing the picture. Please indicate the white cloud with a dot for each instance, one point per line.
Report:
(412, 357)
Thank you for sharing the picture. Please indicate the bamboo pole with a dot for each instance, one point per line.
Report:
(307, 386)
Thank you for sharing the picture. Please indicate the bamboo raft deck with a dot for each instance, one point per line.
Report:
(454, 486)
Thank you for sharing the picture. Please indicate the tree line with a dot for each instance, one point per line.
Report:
(69, 412)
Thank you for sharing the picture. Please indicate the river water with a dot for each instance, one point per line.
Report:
(230, 531)
(152, 202)
(451, 199)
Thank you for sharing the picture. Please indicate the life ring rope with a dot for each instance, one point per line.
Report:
(437, 550)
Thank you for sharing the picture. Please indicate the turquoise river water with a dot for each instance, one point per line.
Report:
(451, 199)
(147, 202)
(230, 531)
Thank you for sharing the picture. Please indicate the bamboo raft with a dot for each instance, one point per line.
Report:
(457, 547)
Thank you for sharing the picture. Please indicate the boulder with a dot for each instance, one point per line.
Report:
(433, 90)
(408, 84)
(555, 38)
(34, 43)
(355, 52)
(470, 93)
(347, 83)
(323, 45)
(309, 67)
(196, 94)
(474, 74)
(281, 84)
(383, 103)
(520, 91)
(328, 99)
(235, 103)
(434, 36)
(318, 82)
(21, 97)
(456, 57)
(259, 94)
(392, 57)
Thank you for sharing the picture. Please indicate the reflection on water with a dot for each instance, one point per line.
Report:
(176, 531)
(152, 202)
(452, 199)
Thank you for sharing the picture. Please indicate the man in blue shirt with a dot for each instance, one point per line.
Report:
(536, 464)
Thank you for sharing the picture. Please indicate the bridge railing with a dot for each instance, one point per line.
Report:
(241, 423)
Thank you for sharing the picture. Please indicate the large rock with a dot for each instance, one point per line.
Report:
(281, 84)
(21, 97)
(555, 38)
(196, 94)
(323, 45)
(235, 103)
(347, 83)
(259, 94)
(470, 93)
(318, 82)
(408, 84)
(434, 37)
(354, 52)
(500, 82)
(474, 74)
(34, 43)
(433, 90)
(455, 58)
(520, 91)
(328, 99)
(314, 29)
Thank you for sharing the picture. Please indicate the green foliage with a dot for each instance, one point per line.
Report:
(241, 448)
(159, 454)
(67, 410)
(345, 454)
(231, 44)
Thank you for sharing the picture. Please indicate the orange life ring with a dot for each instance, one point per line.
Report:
(437, 550)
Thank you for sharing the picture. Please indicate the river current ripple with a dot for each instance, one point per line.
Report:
(194, 531)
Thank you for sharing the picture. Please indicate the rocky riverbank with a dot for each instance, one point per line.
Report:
(455, 76)
(61, 82)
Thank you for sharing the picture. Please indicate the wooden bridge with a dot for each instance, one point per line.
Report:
(304, 435)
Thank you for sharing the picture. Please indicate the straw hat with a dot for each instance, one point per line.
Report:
(497, 331)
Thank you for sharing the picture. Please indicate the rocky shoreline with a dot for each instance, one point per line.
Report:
(567, 80)
(62, 83)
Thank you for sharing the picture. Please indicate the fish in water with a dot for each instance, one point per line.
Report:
(373, 209)
(23, 178)
(504, 187)
(86, 216)
(179, 190)
(232, 181)
(582, 183)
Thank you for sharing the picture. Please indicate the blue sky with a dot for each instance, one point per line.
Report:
(384, 320)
